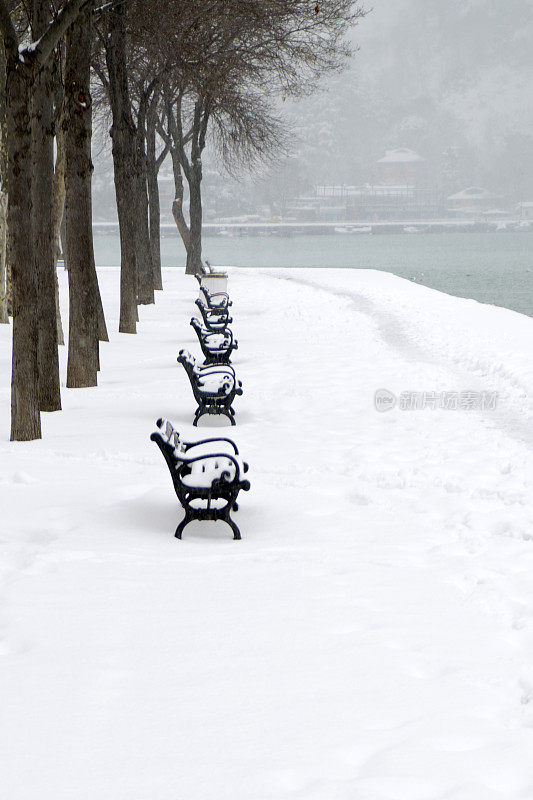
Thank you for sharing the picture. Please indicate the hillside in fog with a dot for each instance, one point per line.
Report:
(451, 82)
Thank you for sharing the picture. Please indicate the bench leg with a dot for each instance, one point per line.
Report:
(234, 527)
(185, 521)
(221, 412)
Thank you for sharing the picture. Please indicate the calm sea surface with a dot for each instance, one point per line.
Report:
(492, 268)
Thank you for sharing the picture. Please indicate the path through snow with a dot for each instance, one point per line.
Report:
(370, 638)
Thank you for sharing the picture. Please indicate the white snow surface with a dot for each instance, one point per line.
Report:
(370, 638)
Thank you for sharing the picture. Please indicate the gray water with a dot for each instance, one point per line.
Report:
(494, 268)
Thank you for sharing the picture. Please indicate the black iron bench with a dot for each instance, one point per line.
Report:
(215, 299)
(206, 269)
(216, 347)
(214, 387)
(214, 319)
(207, 475)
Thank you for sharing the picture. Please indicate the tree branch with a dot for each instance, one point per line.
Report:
(203, 126)
(102, 77)
(161, 157)
(176, 132)
(42, 48)
(163, 133)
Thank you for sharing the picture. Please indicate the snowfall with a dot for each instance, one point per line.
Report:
(371, 636)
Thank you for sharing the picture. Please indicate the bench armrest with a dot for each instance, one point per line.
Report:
(217, 368)
(207, 293)
(188, 445)
(221, 300)
(219, 310)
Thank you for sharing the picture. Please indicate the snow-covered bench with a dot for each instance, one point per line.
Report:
(207, 475)
(214, 319)
(214, 387)
(216, 347)
(215, 299)
(213, 279)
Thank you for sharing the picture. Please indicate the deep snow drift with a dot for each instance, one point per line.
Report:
(370, 638)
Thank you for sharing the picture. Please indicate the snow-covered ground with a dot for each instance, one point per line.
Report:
(370, 638)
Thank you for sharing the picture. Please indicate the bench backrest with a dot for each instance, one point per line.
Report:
(197, 463)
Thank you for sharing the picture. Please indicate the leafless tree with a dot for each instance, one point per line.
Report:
(144, 81)
(113, 37)
(247, 53)
(42, 129)
(154, 161)
(86, 313)
(243, 131)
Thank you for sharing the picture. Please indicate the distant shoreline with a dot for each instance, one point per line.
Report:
(361, 228)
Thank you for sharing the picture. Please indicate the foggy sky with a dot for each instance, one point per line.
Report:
(432, 75)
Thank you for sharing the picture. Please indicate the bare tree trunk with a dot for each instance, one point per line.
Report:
(4, 317)
(177, 205)
(25, 415)
(42, 185)
(103, 335)
(83, 318)
(3, 121)
(60, 334)
(58, 212)
(192, 170)
(58, 203)
(60, 232)
(63, 239)
(58, 199)
(124, 161)
(194, 253)
(145, 270)
(152, 169)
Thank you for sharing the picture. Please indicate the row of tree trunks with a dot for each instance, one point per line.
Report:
(125, 166)
(42, 189)
(28, 101)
